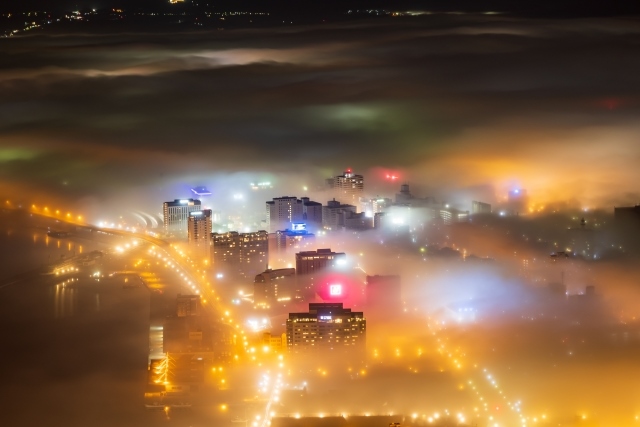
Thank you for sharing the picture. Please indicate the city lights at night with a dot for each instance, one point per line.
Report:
(402, 213)
(335, 290)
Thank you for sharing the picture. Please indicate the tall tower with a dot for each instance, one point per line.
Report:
(199, 231)
(404, 195)
(517, 201)
(282, 211)
(176, 213)
(348, 187)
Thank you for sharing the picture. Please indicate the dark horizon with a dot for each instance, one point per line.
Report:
(531, 8)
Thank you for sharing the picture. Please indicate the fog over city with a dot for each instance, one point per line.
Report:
(491, 163)
(453, 103)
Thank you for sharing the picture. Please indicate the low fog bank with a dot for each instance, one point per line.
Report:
(94, 120)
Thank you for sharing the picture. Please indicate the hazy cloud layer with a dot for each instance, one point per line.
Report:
(448, 101)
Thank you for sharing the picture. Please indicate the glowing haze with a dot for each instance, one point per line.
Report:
(476, 104)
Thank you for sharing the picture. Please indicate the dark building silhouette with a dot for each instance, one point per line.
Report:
(187, 305)
(309, 262)
(273, 286)
(383, 291)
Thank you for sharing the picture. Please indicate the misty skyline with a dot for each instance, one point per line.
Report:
(451, 102)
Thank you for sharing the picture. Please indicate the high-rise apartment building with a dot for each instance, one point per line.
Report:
(273, 286)
(246, 254)
(309, 262)
(176, 215)
(199, 230)
(347, 187)
(332, 214)
(327, 326)
(312, 214)
(282, 211)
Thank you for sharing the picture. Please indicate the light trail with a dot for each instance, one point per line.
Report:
(273, 397)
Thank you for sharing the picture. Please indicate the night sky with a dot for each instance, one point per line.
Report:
(565, 8)
(452, 101)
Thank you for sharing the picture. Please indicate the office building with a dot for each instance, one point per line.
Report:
(332, 214)
(273, 286)
(176, 215)
(309, 262)
(383, 292)
(478, 208)
(199, 231)
(327, 326)
(245, 254)
(348, 187)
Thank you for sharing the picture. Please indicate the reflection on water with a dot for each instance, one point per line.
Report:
(74, 296)
(42, 249)
(78, 346)
(64, 301)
